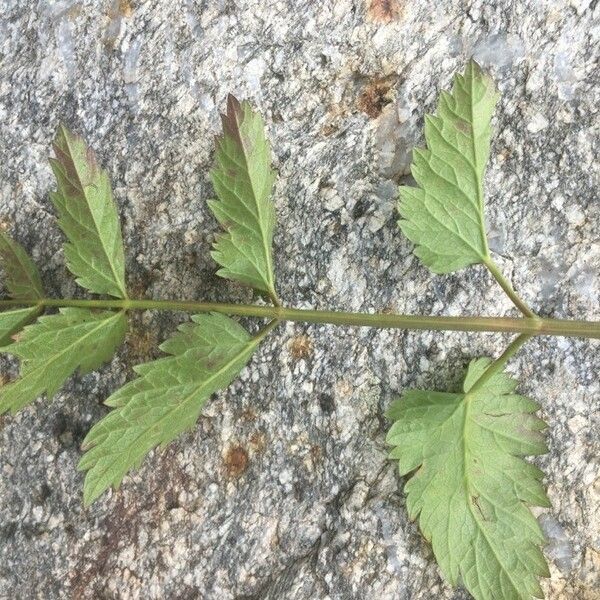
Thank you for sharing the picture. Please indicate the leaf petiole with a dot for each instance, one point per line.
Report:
(498, 364)
(508, 288)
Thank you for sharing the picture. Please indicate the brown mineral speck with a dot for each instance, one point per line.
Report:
(126, 7)
(384, 11)
(300, 347)
(248, 414)
(375, 95)
(236, 461)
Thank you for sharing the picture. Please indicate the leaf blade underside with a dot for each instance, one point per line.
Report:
(56, 346)
(12, 321)
(444, 215)
(166, 399)
(88, 217)
(471, 489)
(23, 280)
(242, 179)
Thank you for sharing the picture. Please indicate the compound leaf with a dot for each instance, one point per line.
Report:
(22, 277)
(12, 321)
(471, 487)
(444, 216)
(166, 399)
(54, 347)
(88, 217)
(243, 179)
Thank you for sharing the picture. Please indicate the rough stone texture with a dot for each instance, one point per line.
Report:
(284, 491)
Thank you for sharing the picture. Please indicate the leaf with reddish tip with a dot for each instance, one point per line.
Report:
(243, 179)
(88, 217)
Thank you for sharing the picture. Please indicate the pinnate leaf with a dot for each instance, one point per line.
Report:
(166, 399)
(471, 487)
(12, 321)
(243, 179)
(88, 217)
(444, 215)
(54, 347)
(22, 277)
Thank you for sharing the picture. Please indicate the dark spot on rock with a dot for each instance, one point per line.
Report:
(8, 530)
(300, 490)
(325, 183)
(431, 351)
(59, 425)
(236, 461)
(42, 494)
(375, 95)
(187, 593)
(316, 453)
(360, 208)
(68, 431)
(327, 403)
(171, 500)
(384, 11)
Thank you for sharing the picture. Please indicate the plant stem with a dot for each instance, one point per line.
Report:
(508, 288)
(533, 326)
(264, 331)
(498, 364)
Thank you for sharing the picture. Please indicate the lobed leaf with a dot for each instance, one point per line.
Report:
(23, 280)
(444, 215)
(471, 487)
(54, 347)
(88, 217)
(243, 179)
(166, 399)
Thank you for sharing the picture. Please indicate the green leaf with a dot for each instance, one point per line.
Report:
(471, 487)
(243, 179)
(444, 216)
(54, 347)
(166, 399)
(12, 321)
(22, 277)
(88, 217)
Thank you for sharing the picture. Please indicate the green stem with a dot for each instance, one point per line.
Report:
(499, 363)
(264, 331)
(508, 288)
(533, 326)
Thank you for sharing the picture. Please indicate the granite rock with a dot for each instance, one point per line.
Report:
(283, 491)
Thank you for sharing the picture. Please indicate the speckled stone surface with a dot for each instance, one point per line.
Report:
(283, 491)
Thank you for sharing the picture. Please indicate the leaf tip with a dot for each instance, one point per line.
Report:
(232, 118)
(234, 106)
